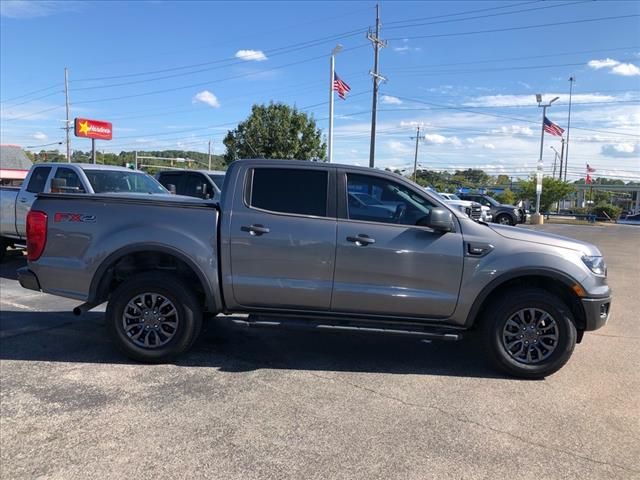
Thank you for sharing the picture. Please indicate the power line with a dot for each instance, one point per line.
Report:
(57, 85)
(487, 16)
(208, 82)
(521, 27)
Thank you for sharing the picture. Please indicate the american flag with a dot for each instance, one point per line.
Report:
(589, 171)
(339, 86)
(551, 128)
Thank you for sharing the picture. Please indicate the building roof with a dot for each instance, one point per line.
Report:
(12, 157)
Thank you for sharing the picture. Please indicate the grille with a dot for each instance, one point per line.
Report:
(476, 212)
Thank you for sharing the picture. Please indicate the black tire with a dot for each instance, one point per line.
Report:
(187, 317)
(3, 248)
(505, 219)
(496, 335)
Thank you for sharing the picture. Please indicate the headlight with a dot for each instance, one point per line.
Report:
(462, 208)
(596, 265)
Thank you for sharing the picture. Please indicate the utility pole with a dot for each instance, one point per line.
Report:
(209, 154)
(415, 158)
(66, 101)
(332, 82)
(572, 79)
(377, 78)
(555, 159)
(561, 159)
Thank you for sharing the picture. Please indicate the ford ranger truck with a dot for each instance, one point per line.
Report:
(285, 246)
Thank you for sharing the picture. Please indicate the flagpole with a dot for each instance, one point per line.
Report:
(332, 74)
(537, 218)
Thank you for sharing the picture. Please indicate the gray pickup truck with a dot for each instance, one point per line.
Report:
(15, 202)
(285, 246)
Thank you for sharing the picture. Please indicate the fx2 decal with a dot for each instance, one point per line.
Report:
(73, 217)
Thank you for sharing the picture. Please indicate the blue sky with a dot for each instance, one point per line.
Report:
(178, 74)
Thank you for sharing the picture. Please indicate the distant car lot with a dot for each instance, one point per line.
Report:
(278, 404)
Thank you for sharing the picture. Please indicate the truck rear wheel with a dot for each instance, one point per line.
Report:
(153, 318)
(529, 333)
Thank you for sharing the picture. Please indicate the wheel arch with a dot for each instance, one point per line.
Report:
(133, 259)
(553, 281)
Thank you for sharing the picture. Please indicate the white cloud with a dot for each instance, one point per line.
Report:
(33, 9)
(40, 136)
(525, 85)
(626, 70)
(390, 100)
(621, 150)
(529, 100)
(489, 146)
(251, 55)
(207, 98)
(437, 139)
(607, 62)
(401, 49)
(616, 67)
(514, 130)
(399, 148)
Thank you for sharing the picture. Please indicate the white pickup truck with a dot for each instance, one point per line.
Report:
(15, 202)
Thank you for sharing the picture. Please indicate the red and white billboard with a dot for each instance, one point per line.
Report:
(93, 129)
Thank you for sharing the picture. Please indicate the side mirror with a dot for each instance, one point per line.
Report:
(172, 188)
(440, 220)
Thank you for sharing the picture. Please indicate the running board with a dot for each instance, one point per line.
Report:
(423, 332)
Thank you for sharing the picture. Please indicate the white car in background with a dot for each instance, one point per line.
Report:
(472, 209)
(453, 199)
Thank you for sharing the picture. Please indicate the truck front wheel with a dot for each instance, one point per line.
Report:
(529, 333)
(504, 219)
(153, 318)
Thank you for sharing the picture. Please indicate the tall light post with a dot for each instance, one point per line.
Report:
(566, 155)
(555, 160)
(539, 172)
(337, 49)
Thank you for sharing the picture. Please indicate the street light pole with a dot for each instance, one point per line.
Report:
(566, 156)
(332, 75)
(539, 172)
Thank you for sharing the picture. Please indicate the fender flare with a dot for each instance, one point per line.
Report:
(512, 275)
(114, 257)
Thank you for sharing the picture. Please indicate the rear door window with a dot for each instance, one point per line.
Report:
(70, 179)
(38, 179)
(290, 190)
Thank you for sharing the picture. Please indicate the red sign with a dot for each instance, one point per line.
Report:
(93, 129)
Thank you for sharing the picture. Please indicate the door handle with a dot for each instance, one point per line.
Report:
(23, 200)
(255, 229)
(361, 240)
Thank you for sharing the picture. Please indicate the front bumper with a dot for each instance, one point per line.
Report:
(28, 279)
(596, 312)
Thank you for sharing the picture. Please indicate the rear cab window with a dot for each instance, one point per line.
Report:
(289, 190)
(38, 180)
(70, 181)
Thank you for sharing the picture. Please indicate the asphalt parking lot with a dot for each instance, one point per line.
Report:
(283, 404)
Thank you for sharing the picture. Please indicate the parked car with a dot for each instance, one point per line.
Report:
(64, 178)
(502, 214)
(468, 207)
(285, 246)
(206, 184)
(633, 219)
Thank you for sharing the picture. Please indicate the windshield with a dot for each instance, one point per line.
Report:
(453, 196)
(218, 179)
(109, 181)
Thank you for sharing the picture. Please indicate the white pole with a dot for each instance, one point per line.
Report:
(209, 154)
(539, 172)
(66, 102)
(332, 63)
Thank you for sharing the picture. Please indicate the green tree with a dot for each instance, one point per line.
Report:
(506, 197)
(275, 131)
(553, 190)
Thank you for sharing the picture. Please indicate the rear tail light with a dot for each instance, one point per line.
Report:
(36, 234)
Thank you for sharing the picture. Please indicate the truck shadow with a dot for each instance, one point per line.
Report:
(62, 337)
(12, 261)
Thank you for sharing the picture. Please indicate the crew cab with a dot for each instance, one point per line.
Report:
(15, 202)
(206, 184)
(286, 246)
